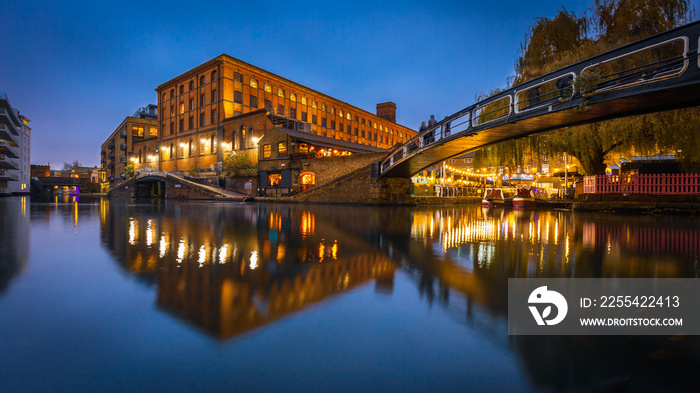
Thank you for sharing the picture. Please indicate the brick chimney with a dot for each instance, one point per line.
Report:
(387, 110)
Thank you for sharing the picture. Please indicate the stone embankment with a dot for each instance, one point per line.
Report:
(655, 204)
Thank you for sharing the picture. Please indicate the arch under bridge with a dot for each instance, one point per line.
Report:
(658, 73)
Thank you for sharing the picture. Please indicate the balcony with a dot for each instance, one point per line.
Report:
(5, 175)
(8, 150)
(110, 155)
(122, 146)
(110, 145)
(102, 153)
(122, 133)
(7, 163)
(7, 134)
(122, 159)
(103, 161)
(110, 165)
(7, 119)
(110, 179)
(122, 175)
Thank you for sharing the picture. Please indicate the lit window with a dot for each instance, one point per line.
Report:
(182, 107)
(267, 150)
(303, 101)
(323, 107)
(303, 148)
(153, 131)
(280, 92)
(268, 88)
(137, 131)
(347, 116)
(253, 83)
(332, 111)
(293, 97)
(313, 104)
(274, 179)
(282, 148)
(340, 112)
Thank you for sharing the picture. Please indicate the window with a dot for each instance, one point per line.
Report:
(253, 83)
(190, 150)
(212, 144)
(153, 131)
(237, 77)
(182, 89)
(191, 85)
(172, 128)
(333, 125)
(171, 154)
(268, 105)
(323, 122)
(201, 80)
(182, 125)
(313, 104)
(303, 116)
(332, 111)
(172, 93)
(323, 107)
(202, 119)
(303, 101)
(253, 101)
(349, 130)
(347, 116)
(280, 109)
(303, 148)
(137, 131)
(274, 179)
(213, 76)
(293, 113)
(314, 119)
(191, 103)
(355, 133)
(356, 119)
(165, 97)
(363, 121)
(237, 97)
(182, 107)
(201, 99)
(268, 88)
(282, 148)
(243, 138)
(213, 116)
(340, 113)
(267, 150)
(362, 133)
(293, 97)
(191, 123)
(213, 97)
(280, 92)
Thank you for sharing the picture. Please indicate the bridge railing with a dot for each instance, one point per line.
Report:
(664, 56)
(678, 183)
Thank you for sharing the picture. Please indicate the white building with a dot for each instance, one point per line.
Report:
(15, 149)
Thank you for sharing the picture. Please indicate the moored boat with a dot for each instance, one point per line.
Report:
(524, 198)
(494, 197)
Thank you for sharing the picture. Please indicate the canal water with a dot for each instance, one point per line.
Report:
(123, 295)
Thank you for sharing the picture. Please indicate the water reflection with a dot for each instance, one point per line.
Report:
(14, 241)
(228, 269)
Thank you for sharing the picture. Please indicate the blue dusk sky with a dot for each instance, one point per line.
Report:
(76, 69)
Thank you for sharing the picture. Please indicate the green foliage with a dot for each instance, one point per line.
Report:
(194, 169)
(238, 165)
(129, 170)
(554, 43)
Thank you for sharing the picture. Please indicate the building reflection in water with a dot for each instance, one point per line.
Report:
(228, 269)
(231, 269)
(14, 242)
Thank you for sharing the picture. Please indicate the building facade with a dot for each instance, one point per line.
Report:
(118, 150)
(202, 115)
(15, 149)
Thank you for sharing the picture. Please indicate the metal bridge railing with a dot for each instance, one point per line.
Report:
(651, 60)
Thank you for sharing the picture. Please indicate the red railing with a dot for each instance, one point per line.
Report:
(677, 183)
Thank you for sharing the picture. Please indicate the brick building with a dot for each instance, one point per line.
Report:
(206, 112)
(118, 149)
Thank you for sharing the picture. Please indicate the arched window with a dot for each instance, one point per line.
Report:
(242, 139)
(182, 89)
(280, 92)
(140, 156)
(191, 148)
(201, 80)
(171, 153)
(233, 140)
(212, 144)
(191, 85)
(213, 76)
(172, 93)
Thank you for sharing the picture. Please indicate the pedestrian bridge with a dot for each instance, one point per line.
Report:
(655, 74)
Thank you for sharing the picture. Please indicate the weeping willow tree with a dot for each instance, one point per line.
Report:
(551, 44)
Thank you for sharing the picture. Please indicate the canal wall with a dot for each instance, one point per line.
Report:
(636, 203)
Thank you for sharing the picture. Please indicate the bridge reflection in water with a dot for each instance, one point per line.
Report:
(229, 269)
